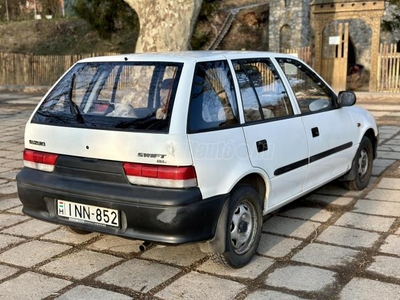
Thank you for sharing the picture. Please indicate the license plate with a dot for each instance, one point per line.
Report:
(89, 213)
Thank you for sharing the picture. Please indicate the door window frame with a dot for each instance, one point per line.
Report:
(316, 79)
(265, 114)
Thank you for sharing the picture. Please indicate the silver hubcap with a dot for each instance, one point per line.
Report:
(243, 223)
(363, 163)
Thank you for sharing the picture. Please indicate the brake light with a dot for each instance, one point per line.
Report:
(42, 161)
(163, 176)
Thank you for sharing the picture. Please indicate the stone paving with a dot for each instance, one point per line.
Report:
(331, 244)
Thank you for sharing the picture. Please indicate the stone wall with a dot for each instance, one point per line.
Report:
(390, 37)
(360, 34)
(289, 23)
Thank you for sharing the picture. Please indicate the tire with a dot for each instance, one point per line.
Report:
(364, 166)
(77, 230)
(243, 230)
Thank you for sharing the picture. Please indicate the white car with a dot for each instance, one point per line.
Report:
(185, 147)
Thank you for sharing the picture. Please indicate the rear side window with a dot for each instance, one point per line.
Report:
(118, 96)
(263, 95)
(213, 102)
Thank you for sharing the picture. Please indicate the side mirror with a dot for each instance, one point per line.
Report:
(346, 98)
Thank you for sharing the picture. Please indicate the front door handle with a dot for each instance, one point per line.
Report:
(315, 131)
(262, 145)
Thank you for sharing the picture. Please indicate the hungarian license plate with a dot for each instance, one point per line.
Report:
(89, 213)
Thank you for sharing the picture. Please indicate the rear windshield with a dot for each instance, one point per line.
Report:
(116, 96)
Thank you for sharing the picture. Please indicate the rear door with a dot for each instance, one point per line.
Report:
(329, 130)
(275, 137)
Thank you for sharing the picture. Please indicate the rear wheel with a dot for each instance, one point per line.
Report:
(243, 229)
(364, 166)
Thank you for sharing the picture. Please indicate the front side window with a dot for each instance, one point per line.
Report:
(213, 101)
(311, 93)
(120, 96)
(263, 94)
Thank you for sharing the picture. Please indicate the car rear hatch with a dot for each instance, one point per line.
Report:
(111, 120)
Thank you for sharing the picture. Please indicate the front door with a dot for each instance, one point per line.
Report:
(329, 129)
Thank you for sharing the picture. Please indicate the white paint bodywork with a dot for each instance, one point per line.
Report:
(222, 157)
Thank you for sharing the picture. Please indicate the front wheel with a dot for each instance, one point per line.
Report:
(243, 231)
(363, 165)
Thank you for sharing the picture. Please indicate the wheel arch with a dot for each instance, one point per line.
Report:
(351, 175)
(374, 141)
(260, 185)
(256, 181)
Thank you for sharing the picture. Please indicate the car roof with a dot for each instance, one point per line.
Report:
(184, 56)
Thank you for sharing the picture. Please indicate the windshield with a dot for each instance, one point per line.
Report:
(119, 96)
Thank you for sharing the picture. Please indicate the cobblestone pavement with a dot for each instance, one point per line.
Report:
(331, 244)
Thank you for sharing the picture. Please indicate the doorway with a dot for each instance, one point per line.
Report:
(335, 54)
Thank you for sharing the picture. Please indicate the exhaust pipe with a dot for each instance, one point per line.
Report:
(144, 246)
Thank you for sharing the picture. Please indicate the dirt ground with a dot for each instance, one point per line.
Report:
(60, 37)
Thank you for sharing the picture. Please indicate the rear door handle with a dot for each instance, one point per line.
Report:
(315, 131)
(262, 145)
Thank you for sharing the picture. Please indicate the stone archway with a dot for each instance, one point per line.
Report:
(324, 12)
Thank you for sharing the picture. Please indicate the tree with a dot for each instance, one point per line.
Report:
(106, 16)
(165, 25)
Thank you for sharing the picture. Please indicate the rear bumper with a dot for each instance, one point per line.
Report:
(167, 216)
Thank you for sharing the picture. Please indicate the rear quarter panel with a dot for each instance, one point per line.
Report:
(221, 159)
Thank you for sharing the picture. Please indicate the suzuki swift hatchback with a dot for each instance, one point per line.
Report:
(189, 147)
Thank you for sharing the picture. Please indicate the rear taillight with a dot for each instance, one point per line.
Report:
(163, 176)
(40, 160)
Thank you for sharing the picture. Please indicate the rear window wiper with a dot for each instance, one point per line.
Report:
(76, 112)
(72, 105)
